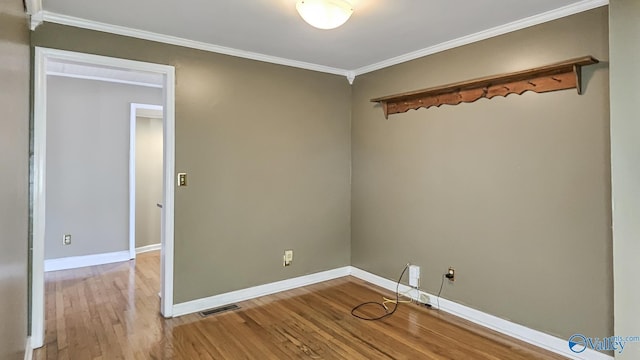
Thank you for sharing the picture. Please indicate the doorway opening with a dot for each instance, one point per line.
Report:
(166, 74)
(145, 178)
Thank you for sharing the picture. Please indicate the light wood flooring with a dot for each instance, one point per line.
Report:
(112, 312)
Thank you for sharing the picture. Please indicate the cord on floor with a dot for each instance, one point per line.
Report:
(382, 305)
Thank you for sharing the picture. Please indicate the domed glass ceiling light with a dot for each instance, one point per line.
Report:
(324, 14)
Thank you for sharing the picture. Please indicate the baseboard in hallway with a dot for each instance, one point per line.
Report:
(147, 248)
(74, 262)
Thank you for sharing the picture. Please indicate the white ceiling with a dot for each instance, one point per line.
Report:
(380, 32)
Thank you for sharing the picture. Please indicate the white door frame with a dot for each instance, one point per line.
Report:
(42, 55)
(132, 172)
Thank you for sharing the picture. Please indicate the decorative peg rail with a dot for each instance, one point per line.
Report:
(560, 76)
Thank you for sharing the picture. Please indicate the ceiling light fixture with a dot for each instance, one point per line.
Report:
(324, 14)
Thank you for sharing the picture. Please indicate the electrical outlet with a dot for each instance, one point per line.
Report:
(287, 258)
(423, 298)
(66, 239)
(451, 274)
(414, 276)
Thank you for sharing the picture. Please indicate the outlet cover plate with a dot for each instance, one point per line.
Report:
(414, 275)
(287, 257)
(424, 298)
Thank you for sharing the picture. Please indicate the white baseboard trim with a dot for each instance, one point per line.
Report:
(523, 333)
(534, 337)
(380, 281)
(74, 262)
(257, 291)
(28, 350)
(152, 247)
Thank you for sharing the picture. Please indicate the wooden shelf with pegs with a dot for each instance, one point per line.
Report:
(559, 76)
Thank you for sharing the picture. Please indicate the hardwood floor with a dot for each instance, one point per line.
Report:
(112, 312)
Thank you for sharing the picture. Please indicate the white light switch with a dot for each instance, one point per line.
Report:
(182, 179)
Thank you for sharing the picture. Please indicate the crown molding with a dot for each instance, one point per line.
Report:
(167, 39)
(33, 6)
(350, 77)
(34, 10)
(36, 20)
(568, 10)
(38, 17)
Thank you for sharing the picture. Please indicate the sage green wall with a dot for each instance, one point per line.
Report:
(513, 192)
(624, 38)
(14, 167)
(267, 151)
